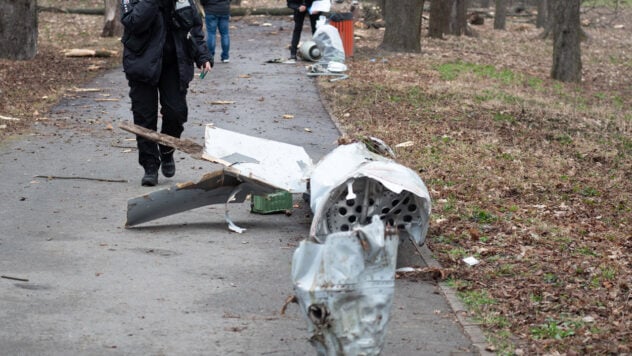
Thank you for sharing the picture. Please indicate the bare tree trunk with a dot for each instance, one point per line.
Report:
(382, 5)
(112, 25)
(540, 21)
(439, 23)
(548, 28)
(500, 15)
(567, 62)
(459, 26)
(403, 26)
(18, 29)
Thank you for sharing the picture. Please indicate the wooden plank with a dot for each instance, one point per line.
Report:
(185, 145)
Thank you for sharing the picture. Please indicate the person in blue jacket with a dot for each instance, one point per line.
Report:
(162, 40)
(217, 16)
(300, 8)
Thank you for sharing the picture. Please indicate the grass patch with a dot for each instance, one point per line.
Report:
(553, 329)
(452, 70)
(504, 117)
(482, 216)
(476, 300)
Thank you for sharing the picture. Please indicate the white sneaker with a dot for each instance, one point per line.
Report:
(225, 60)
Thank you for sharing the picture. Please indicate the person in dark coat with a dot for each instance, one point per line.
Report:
(217, 16)
(300, 8)
(162, 39)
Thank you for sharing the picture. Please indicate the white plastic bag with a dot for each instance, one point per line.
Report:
(320, 6)
(328, 40)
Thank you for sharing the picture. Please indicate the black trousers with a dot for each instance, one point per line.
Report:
(299, 19)
(173, 107)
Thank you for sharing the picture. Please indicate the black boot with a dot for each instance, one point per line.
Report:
(168, 166)
(150, 178)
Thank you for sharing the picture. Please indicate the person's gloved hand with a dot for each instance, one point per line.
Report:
(206, 67)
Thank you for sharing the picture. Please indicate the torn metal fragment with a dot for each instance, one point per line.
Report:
(345, 286)
(364, 205)
(231, 224)
(280, 164)
(214, 188)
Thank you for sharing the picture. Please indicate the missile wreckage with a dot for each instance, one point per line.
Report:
(364, 205)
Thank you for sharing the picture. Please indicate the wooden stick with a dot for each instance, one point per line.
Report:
(83, 52)
(9, 118)
(15, 278)
(84, 90)
(184, 145)
(86, 178)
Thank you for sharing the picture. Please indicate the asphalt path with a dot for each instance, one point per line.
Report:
(184, 284)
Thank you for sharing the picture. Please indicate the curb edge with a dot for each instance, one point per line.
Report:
(471, 329)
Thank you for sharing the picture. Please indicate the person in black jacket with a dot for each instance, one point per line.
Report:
(162, 39)
(300, 8)
(217, 16)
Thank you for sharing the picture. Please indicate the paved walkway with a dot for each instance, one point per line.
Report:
(181, 285)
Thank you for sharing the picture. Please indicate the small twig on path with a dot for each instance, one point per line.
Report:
(9, 118)
(84, 90)
(123, 146)
(290, 299)
(15, 278)
(86, 178)
(275, 352)
(222, 102)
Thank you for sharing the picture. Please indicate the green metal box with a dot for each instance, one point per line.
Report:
(277, 202)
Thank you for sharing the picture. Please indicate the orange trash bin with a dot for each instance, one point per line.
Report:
(344, 23)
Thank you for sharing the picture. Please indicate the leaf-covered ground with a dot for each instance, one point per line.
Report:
(531, 176)
(28, 89)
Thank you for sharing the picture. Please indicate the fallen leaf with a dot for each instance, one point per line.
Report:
(405, 144)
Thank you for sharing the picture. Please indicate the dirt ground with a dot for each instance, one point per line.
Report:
(530, 176)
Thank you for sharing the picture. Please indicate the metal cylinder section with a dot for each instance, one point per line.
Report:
(309, 51)
(369, 197)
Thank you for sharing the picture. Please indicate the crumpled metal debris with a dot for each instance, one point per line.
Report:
(364, 204)
(279, 164)
(249, 165)
(345, 286)
(223, 186)
(344, 273)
